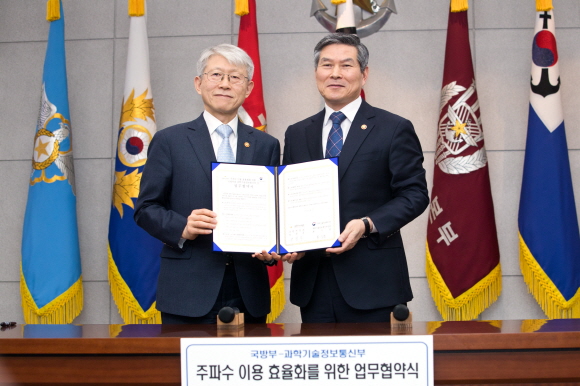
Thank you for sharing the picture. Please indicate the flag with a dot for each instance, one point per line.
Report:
(253, 113)
(547, 221)
(50, 280)
(133, 253)
(462, 259)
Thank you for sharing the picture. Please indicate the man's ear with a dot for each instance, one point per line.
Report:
(197, 84)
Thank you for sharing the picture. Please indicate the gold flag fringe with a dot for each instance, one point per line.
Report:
(548, 296)
(62, 310)
(336, 2)
(469, 304)
(242, 7)
(532, 325)
(459, 5)
(432, 327)
(136, 7)
(544, 5)
(128, 306)
(115, 330)
(278, 300)
(52, 10)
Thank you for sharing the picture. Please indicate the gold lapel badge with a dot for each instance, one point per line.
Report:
(364, 127)
(246, 144)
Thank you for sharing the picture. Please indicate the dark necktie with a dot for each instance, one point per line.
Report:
(334, 143)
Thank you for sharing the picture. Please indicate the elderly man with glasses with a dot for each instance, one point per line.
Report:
(195, 282)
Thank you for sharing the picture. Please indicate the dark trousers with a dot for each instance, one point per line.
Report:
(327, 304)
(229, 296)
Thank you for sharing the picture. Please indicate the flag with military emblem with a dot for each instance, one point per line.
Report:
(133, 253)
(253, 113)
(50, 281)
(463, 268)
(547, 221)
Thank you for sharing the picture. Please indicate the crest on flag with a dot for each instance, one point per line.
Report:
(460, 137)
(50, 147)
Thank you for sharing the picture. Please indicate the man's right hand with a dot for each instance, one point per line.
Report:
(199, 222)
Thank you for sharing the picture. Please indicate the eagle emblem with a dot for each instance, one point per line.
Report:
(52, 147)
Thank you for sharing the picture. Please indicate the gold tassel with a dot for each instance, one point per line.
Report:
(548, 296)
(459, 5)
(136, 7)
(61, 310)
(278, 300)
(544, 5)
(336, 2)
(128, 306)
(52, 10)
(469, 304)
(242, 7)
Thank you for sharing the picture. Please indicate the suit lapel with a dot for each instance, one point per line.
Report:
(246, 144)
(356, 136)
(200, 140)
(314, 136)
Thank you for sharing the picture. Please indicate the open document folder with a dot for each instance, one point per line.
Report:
(280, 209)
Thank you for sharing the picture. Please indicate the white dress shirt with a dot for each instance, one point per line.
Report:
(349, 111)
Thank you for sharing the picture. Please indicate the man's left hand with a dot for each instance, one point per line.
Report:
(353, 231)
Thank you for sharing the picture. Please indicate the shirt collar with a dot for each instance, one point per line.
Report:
(349, 110)
(213, 123)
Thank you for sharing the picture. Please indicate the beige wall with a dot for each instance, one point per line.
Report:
(406, 68)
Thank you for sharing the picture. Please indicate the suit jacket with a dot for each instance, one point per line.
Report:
(176, 180)
(380, 176)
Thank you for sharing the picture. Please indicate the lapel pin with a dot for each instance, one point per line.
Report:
(364, 127)
(246, 144)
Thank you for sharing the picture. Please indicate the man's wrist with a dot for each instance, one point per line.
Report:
(367, 224)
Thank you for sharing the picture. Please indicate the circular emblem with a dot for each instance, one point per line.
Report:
(544, 49)
(46, 149)
(133, 144)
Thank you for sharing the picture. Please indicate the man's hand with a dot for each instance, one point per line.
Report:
(289, 257)
(350, 236)
(199, 222)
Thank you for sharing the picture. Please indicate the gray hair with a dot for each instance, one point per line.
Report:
(344, 38)
(231, 53)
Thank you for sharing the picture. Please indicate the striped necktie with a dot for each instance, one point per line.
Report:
(225, 153)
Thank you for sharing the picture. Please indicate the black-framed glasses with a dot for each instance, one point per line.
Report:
(216, 77)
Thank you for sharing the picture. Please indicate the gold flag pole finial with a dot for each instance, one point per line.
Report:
(136, 7)
(52, 10)
(459, 5)
(544, 5)
(242, 7)
(336, 2)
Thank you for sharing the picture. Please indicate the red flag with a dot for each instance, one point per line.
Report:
(253, 113)
(463, 268)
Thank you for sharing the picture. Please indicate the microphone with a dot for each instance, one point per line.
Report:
(228, 314)
(401, 312)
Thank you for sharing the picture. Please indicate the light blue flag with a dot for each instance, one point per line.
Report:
(50, 283)
(548, 225)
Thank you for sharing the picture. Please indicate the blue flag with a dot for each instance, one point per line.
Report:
(133, 253)
(50, 283)
(547, 221)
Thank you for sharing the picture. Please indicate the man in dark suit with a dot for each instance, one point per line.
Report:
(382, 188)
(195, 282)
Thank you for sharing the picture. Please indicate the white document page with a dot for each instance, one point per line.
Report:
(244, 200)
(309, 207)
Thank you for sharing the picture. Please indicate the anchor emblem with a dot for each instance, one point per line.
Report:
(364, 27)
(545, 55)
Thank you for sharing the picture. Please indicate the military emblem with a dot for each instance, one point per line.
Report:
(136, 125)
(460, 137)
(366, 26)
(52, 148)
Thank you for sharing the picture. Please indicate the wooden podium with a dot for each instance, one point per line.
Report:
(492, 352)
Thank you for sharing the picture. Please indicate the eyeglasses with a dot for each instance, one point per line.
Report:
(216, 77)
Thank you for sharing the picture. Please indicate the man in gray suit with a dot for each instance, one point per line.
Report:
(175, 196)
